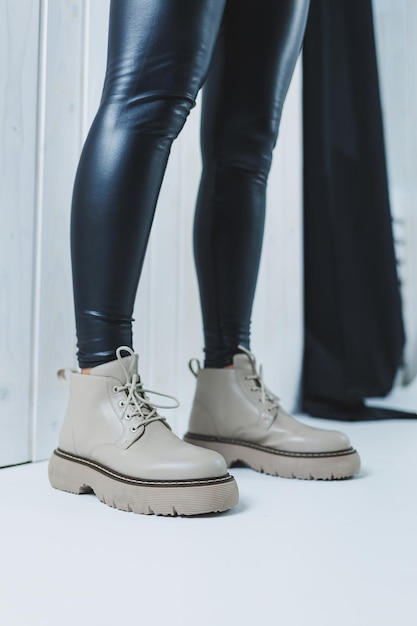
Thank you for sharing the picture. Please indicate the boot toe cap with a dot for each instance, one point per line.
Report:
(187, 462)
(302, 438)
(327, 441)
(169, 457)
(203, 463)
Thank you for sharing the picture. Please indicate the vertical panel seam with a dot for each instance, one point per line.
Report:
(37, 236)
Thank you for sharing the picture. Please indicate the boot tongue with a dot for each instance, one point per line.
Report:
(243, 362)
(115, 368)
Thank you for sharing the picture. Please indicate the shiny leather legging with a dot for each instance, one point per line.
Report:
(160, 53)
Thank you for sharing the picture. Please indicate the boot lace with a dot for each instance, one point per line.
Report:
(269, 401)
(138, 405)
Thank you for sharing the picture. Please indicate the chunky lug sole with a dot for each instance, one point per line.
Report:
(309, 466)
(68, 472)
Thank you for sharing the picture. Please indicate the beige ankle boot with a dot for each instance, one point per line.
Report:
(236, 415)
(114, 443)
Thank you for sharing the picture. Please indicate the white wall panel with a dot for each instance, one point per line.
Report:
(18, 85)
(396, 36)
(60, 107)
(95, 27)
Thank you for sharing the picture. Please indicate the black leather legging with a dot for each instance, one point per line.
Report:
(159, 56)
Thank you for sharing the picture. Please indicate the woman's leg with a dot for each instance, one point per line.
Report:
(233, 412)
(255, 56)
(158, 57)
(113, 441)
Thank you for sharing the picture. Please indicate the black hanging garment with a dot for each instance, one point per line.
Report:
(354, 334)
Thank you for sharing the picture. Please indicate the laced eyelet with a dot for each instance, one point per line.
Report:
(115, 389)
(134, 429)
(122, 403)
(128, 417)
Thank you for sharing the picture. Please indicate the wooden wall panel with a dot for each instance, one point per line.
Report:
(396, 36)
(18, 83)
(59, 147)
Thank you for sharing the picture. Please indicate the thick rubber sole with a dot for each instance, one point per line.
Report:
(74, 474)
(308, 466)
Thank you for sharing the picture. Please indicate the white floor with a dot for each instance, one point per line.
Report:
(293, 552)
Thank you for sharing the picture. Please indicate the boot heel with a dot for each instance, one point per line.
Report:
(67, 475)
